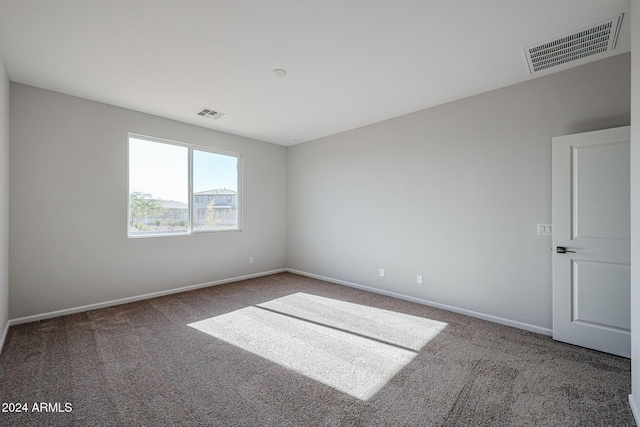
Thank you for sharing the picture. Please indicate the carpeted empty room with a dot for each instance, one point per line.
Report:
(332, 213)
(289, 350)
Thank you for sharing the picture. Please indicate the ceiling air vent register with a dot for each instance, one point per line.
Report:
(586, 42)
(210, 114)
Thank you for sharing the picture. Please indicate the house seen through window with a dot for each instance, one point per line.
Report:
(179, 189)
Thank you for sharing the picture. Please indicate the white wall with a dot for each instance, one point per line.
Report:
(4, 202)
(68, 236)
(635, 209)
(453, 193)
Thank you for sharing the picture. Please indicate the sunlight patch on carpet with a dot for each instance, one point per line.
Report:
(350, 347)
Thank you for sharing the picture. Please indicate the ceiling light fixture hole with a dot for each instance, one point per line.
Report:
(279, 72)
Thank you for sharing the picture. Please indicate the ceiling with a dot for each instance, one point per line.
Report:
(349, 63)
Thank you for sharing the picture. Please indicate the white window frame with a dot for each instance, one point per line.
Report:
(191, 148)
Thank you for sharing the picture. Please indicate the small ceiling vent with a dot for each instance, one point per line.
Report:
(580, 44)
(210, 114)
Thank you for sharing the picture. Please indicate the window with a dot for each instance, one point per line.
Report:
(173, 188)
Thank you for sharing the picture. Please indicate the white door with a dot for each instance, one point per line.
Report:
(591, 219)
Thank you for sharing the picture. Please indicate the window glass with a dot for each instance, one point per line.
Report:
(160, 199)
(158, 188)
(215, 176)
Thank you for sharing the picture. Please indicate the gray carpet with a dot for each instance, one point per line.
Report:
(287, 350)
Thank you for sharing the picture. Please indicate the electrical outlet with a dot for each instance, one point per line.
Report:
(382, 272)
(419, 280)
(251, 259)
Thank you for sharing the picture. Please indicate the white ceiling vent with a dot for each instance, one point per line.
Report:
(589, 41)
(210, 114)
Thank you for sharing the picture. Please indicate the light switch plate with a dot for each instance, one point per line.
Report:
(544, 230)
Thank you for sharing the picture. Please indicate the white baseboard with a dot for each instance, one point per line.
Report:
(43, 316)
(634, 409)
(4, 336)
(49, 315)
(490, 318)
